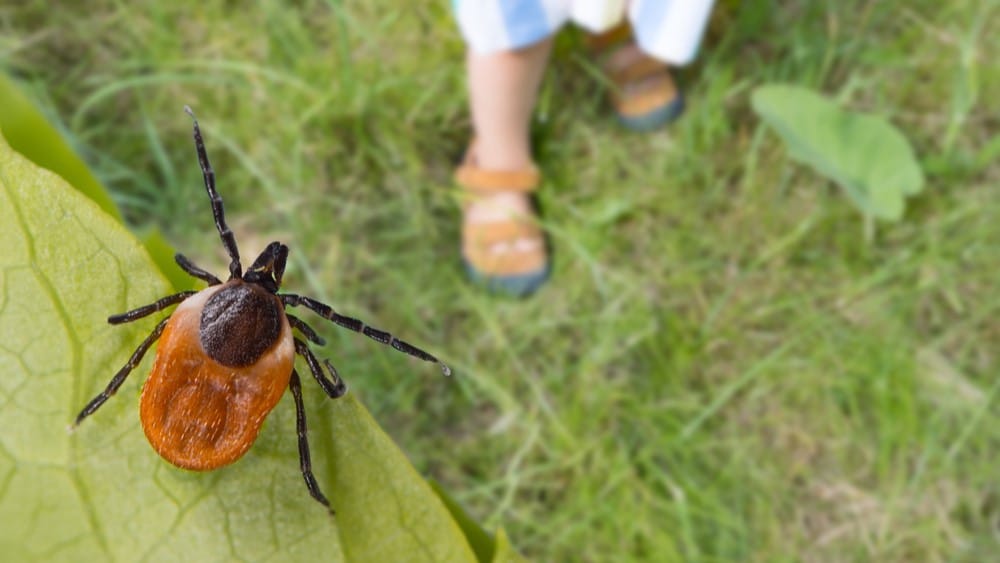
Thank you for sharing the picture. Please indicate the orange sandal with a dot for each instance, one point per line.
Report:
(506, 255)
(645, 95)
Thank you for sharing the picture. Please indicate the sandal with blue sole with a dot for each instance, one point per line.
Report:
(507, 254)
(645, 96)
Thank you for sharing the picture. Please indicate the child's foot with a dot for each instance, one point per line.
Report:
(646, 96)
(503, 247)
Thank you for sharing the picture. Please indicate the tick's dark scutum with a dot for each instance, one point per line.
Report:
(239, 323)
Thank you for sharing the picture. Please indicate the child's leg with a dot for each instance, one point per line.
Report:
(502, 245)
(503, 88)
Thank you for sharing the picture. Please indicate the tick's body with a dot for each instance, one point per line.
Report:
(199, 411)
(226, 356)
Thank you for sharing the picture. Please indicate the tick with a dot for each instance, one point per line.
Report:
(226, 355)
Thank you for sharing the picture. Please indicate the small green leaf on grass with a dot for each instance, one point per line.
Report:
(864, 154)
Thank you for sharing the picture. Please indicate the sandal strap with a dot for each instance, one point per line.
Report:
(646, 95)
(642, 67)
(480, 181)
(493, 232)
(475, 179)
(479, 239)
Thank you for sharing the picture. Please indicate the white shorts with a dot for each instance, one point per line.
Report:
(669, 30)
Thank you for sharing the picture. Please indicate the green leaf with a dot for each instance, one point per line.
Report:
(385, 510)
(864, 154)
(30, 134)
(496, 550)
(505, 552)
(100, 492)
(477, 537)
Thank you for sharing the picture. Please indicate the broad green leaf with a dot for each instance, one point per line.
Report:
(864, 154)
(100, 493)
(496, 549)
(30, 134)
(505, 553)
(385, 510)
(477, 537)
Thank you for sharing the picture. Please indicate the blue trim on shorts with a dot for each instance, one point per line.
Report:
(648, 20)
(526, 22)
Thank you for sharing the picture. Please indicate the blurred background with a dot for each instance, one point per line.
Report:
(724, 367)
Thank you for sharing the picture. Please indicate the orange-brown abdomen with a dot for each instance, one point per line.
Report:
(198, 413)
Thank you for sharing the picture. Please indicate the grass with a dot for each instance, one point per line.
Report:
(721, 369)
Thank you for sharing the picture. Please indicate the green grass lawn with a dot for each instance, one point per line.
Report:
(722, 368)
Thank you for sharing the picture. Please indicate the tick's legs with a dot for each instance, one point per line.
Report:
(119, 377)
(356, 325)
(228, 240)
(305, 329)
(334, 387)
(195, 271)
(305, 462)
(150, 309)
